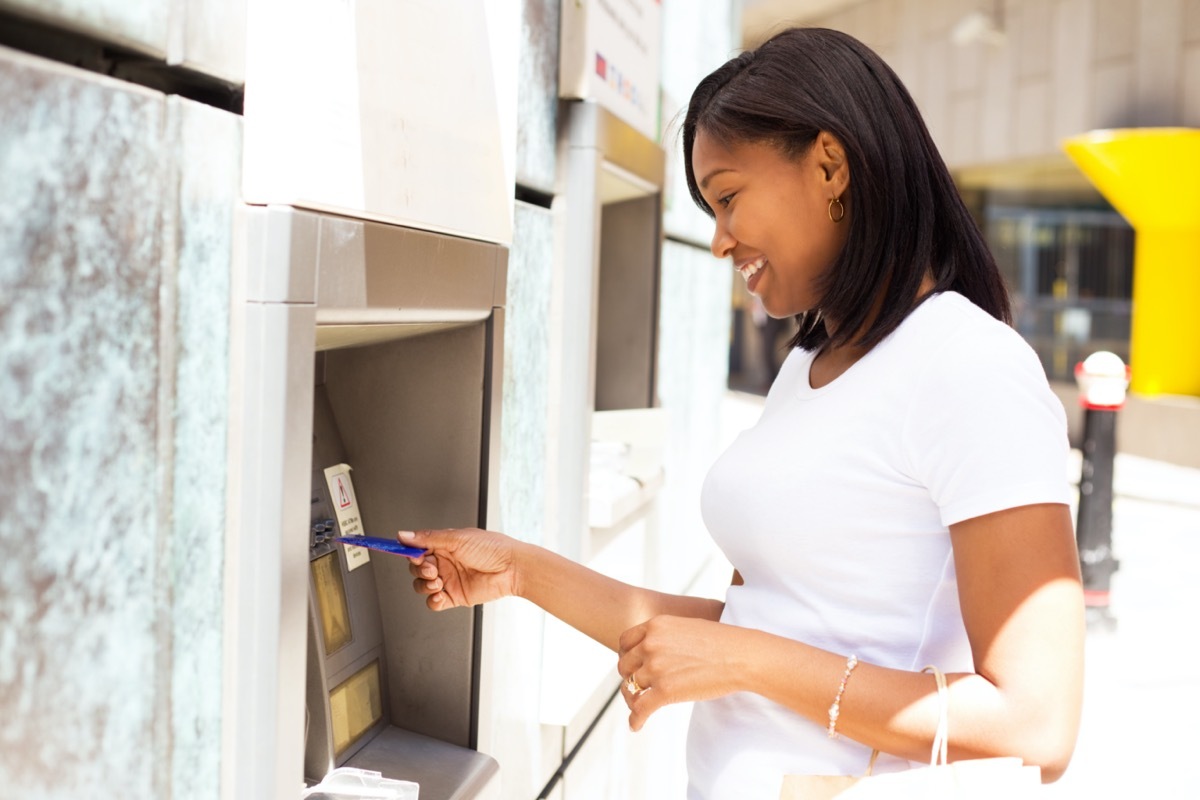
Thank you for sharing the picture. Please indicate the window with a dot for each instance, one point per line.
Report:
(1070, 274)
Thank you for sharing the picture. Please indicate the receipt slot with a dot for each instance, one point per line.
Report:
(404, 418)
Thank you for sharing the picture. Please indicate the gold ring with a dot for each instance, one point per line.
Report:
(632, 685)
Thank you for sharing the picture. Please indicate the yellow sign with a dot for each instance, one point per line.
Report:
(1152, 177)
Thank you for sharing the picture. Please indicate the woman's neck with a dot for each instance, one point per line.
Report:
(833, 360)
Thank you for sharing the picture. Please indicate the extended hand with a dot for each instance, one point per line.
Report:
(677, 660)
(464, 566)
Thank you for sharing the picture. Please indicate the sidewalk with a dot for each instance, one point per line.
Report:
(1141, 717)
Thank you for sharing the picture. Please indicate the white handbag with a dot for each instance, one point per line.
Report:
(975, 779)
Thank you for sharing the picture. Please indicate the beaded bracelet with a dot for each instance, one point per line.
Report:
(835, 709)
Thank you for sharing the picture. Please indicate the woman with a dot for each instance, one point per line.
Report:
(902, 501)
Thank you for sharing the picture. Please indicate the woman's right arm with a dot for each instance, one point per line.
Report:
(465, 567)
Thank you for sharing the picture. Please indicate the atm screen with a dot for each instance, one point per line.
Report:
(355, 705)
(331, 598)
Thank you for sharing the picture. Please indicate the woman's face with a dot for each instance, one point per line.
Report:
(772, 215)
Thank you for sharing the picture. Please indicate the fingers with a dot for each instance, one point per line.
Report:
(631, 639)
(428, 586)
(413, 539)
(427, 581)
(641, 699)
(637, 688)
(425, 567)
(436, 599)
(632, 685)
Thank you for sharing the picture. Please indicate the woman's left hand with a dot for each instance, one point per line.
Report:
(678, 660)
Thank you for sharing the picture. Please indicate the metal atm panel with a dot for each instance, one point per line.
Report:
(406, 373)
(411, 414)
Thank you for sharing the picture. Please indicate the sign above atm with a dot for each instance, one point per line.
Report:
(380, 110)
(611, 53)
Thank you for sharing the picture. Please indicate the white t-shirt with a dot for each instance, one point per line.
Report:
(835, 509)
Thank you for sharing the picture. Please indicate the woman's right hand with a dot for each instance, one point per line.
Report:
(463, 566)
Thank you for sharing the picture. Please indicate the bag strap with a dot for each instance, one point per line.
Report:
(941, 738)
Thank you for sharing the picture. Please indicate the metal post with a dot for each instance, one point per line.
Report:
(1102, 379)
(1093, 527)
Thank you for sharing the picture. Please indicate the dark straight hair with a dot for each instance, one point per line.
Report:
(906, 218)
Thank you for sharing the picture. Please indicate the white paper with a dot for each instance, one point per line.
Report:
(345, 507)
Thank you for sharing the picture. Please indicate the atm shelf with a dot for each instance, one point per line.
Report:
(444, 771)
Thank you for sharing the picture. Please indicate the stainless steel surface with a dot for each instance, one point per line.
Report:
(627, 308)
(597, 141)
(359, 584)
(408, 347)
(444, 772)
(281, 254)
(369, 265)
(591, 126)
(411, 416)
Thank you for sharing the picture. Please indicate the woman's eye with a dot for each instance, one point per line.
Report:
(724, 201)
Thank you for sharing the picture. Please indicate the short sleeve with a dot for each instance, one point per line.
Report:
(985, 432)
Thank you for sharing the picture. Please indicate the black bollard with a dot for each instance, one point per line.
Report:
(1102, 380)
(1093, 527)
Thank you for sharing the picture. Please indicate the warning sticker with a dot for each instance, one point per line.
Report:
(345, 506)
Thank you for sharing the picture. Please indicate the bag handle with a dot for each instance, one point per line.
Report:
(941, 738)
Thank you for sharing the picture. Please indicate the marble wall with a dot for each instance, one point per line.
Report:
(693, 373)
(526, 393)
(207, 143)
(115, 240)
(695, 300)
(511, 732)
(698, 37)
(537, 95)
(207, 36)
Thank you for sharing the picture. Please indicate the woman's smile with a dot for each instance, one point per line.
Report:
(752, 271)
(764, 199)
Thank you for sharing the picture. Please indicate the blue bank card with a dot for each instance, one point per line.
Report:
(384, 545)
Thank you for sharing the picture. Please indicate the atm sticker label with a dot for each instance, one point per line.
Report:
(345, 506)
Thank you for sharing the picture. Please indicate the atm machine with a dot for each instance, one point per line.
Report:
(404, 420)
(389, 421)
(377, 226)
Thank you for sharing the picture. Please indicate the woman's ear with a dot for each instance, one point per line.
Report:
(831, 158)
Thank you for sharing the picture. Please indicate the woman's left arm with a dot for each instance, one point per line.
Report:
(1022, 602)
(1019, 587)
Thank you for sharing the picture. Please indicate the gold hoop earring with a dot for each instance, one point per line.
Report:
(841, 211)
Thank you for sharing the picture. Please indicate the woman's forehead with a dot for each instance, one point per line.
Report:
(711, 154)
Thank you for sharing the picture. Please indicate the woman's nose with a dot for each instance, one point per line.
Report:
(722, 242)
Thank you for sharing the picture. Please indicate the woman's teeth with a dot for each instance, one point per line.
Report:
(748, 270)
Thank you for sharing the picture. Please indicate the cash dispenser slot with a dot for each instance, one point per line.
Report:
(404, 406)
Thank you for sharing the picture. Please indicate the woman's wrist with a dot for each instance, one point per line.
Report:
(745, 655)
(785, 671)
(520, 554)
